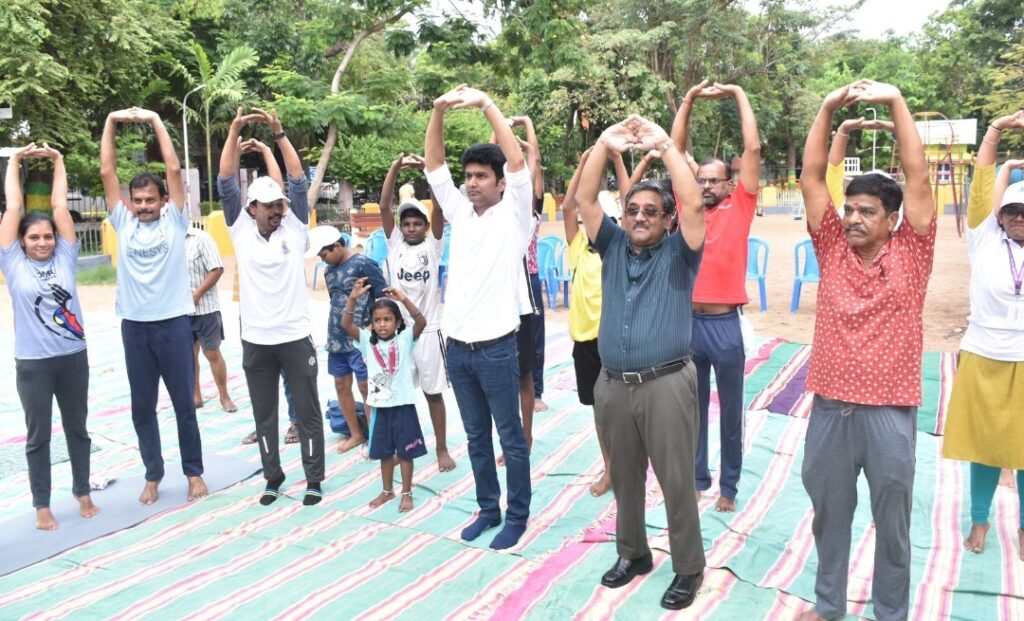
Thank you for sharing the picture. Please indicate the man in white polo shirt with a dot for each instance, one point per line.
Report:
(270, 240)
(490, 231)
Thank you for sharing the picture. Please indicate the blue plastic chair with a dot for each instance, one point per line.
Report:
(377, 247)
(808, 273)
(322, 266)
(442, 271)
(757, 266)
(552, 268)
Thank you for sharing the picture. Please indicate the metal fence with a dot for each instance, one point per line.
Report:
(90, 236)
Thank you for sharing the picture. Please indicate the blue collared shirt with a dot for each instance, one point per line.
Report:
(646, 304)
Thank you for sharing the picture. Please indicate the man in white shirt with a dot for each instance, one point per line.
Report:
(270, 241)
(490, 232)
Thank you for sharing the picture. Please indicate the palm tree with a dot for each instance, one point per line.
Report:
(224, 85)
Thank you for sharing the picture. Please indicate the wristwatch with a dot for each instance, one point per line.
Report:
(279, 135)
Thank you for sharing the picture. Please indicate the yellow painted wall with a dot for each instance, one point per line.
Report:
(218, 230)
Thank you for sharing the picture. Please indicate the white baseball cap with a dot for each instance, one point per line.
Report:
(265, 190)
(1013, 194)
(413, 205)
(320, 237)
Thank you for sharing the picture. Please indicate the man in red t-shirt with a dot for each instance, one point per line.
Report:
(720, 290)
(865, 369)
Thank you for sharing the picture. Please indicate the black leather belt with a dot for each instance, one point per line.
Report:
(480, 344)
(639, 377)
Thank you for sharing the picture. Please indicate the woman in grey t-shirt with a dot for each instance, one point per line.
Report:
(38, 256)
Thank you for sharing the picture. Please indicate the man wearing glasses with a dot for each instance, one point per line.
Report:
(720, 291)
(646, 393)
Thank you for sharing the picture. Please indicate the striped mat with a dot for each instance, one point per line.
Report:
(229, 557)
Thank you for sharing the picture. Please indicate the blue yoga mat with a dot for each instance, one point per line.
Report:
(23, 544)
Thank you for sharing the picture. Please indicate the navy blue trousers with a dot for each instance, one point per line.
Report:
(718, 344)
(155, 350)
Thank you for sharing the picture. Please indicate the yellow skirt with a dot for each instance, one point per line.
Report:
(985, 424)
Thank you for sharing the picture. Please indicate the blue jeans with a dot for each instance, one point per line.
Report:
(486, 386)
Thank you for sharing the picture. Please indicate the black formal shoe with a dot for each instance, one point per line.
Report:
(625, 570)
(681, 592)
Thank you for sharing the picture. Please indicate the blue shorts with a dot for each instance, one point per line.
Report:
(347, 363)
(396, 431)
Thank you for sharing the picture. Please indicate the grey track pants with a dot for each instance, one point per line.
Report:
(39, 381)
(843, 439)
(263, 365)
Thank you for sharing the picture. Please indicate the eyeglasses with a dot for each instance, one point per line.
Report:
(711, 181)
(1012, 213)
(649, 212)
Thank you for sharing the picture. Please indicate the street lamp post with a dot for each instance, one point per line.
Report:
(874, 137)
(184, 127)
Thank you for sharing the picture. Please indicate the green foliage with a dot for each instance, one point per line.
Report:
(101, 275)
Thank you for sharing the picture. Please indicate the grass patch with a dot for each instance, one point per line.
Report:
(101, 275)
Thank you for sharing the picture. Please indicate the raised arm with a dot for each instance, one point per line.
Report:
(681, 123)
(569, 201)
(984, 200)
(535, 167)
(433, 144)
(619, 137)
(812, 178)
(1003, 182)
(108, 158)
(359, 287)
(990, 142)
(689, 206)
(175, 184)
(638, 172)
(292, 161)
(387, 196)
(418, 320)
(750, 161)
(622, 179)
(918, 201)
(15, 198)
(62, 219)
(466, 97)
(253, 145)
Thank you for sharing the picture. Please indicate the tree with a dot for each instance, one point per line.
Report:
(224, 89)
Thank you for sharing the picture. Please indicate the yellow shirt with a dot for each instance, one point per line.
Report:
(585, 297)
(834, 176)
(979, 204)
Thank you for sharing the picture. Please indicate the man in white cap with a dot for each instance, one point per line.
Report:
(344, 268)
(414, 258)
(270, 238)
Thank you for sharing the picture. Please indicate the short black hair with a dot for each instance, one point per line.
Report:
(486, 154)
(391, 305)
(664, 190)
(147, 179)
(879, 185)
(35, 217)
(715, 160)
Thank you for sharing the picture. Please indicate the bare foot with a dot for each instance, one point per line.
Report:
(810, 615)
(529, 451)
(975, 541)
(445, 463)
(406, 505)
(602, 486)
(384, 496)
(198, 401)
(85, 507)
(196, 488)
(228, 404)
(350, 443)
(725, 505)
(45, 519)
(539, 406)
(501, 460)
(149, 493)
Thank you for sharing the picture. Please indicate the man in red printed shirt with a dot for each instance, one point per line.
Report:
(865, 369)
(720, 290)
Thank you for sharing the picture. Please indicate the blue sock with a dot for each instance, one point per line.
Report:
(479, 525)
(509, 536)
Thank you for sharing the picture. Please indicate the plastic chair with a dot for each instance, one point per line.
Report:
(552, 267)
(322, 266)
(757, 266)
(377, 247)
(809, 273)
(442, 270)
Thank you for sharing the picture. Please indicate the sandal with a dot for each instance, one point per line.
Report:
(292, 435)
(250, 439)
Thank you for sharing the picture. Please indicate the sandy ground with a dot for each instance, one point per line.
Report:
(946, 305)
